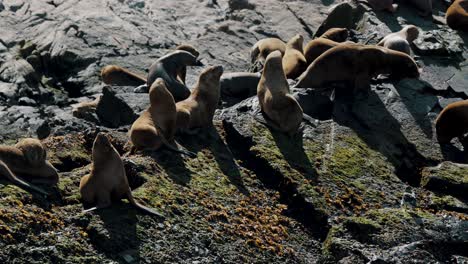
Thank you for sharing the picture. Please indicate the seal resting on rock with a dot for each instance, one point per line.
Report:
(317, 47)
(156, 126)
(381, 5)
(452, 122)
(116, 75)
(198, 110)
(294, 62)
(27, 157)
(336, 34)
(357, 64)
(281, 109)
(239, 84)
(264, 47)
(457, 15)
(107, 180)
(400, 41)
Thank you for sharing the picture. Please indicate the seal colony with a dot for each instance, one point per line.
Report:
(322, 63)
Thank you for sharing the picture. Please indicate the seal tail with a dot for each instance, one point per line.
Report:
(4, 170)
(142, 207)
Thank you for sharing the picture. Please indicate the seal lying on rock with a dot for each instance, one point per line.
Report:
(317, 47)
(264, 47)
(116, 75)
(400, 41)
(198, 110)
(283, 111)
(294, 62)
(381, 5)
(457, 15)
(28, 157)
(107, 180)
(357, 64)
(452, 121)
(239, 84)
(156, 126)
(336, 34)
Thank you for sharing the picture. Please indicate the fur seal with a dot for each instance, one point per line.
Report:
(357, 64)
(168, 68)
(381, 5)
(317, 47)
(263, 47)
(294, 62)
(181, 74)
(336, 34)
(107, 180)
(452, 121)
(239, 84)
(198, 110)
(457, 15)
(116, 75)
(28, 157)
(85, 109)
(276, 103)
(400, 41)
(156, 126)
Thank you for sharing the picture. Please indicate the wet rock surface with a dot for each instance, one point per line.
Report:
(363, 181)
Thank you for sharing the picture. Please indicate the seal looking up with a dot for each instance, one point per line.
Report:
(294, 62)
(283, 111)
(107, 180)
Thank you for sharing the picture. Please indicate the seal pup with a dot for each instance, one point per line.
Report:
(156, 126)
(294, 62)
(198, 110)
(336, 34)
(381, 5)
(457, 15)
(452, 122)
(107, 180)
(263, 47)
(401, 40)
(357, 64)
(281, 109)
(27, 157)
(116, 75)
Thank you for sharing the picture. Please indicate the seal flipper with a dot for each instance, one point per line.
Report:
(4, 170)
(142, 207)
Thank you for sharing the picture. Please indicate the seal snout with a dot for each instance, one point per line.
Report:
(218, 70)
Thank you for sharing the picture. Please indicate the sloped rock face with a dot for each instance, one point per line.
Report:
(364, 181)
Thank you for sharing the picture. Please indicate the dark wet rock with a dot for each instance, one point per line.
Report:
(448, 178)
(459, 81)
(240, 4)
(439, 43)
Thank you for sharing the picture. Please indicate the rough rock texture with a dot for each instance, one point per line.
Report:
(365, 182)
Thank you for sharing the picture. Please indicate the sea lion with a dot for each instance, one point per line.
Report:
(281, 109)
(425, 6)
(168, 67)
(181, 74)
(357, 64)
(116, 75)
(381, 5)
(85, 109)
(27, 157)
(107, 180)
(156, 126)
(336, 34)
(198, 110)
(457, 15)
(294, 62)
(400, 41)
(317, 47)
(239, 84)
(452, 121)
(263, 47)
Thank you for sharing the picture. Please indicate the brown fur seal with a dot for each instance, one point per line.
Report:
(336, 34)
(317, 47)
(279, 106)
(27, 157)
(239, 84)
(294, 62)
(457, 15)
(452, 121)
(156, 126)
(263, 47)
(85, 109)
(381, 5)
(198, 110)
(357, 64)
(181, 74)
(107, 180)
(116, 75)
(400, 41)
